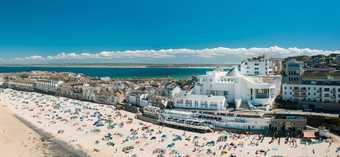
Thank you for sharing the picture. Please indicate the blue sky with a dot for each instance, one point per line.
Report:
(48, 28)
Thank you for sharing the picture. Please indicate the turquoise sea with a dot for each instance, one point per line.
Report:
(117, 73)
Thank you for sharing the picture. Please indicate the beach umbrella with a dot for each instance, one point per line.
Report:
(163, 136)
(111, 144)
(170, 145)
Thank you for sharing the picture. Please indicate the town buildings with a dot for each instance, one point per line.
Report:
(21, 84)
(262, 65)
(47, 86)
(309, 88)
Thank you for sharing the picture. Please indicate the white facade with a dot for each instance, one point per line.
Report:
(257, 66)
(88, 92)
(239, 89)
(201, 102)
(314, 94)
(47, 85)
(175, 92)
(137, 99)
(21, 85)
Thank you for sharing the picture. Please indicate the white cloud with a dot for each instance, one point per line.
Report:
(34, 58)
(208, 55)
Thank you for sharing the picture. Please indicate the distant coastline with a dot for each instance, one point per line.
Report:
(115, 72)
(120, 65)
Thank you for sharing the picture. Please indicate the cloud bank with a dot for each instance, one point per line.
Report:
(208, 55)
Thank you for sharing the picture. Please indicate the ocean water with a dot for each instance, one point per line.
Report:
(117, 73)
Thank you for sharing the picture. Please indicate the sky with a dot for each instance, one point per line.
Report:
(165, 31)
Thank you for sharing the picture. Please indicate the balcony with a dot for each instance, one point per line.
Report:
(262, 96)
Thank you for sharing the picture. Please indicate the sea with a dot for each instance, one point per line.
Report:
(118, 73)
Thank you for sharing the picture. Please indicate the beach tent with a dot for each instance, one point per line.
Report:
(308, 134)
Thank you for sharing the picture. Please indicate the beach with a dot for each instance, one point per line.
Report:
(17, 139)
(102, 130)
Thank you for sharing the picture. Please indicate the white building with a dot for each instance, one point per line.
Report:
(89, 92)
(201, 102)
(314, 94)
(293, 71)
(47, 85)
(311, 89)
(21, 84)
(2, 81)
(239, 89)
(137, 98)
(261, 65)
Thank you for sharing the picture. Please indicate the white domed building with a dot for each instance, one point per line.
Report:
(253, 91)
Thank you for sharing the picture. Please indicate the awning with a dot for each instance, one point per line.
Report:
(308, 134)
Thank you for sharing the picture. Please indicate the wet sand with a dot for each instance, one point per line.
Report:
(19, 139)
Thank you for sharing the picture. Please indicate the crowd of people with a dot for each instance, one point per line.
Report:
(103, 130)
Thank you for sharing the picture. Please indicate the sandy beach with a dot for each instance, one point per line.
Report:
(16, 139)
(102, 130)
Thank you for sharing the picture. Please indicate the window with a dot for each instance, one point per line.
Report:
(261, 93)
(204, 103)
(214, 106)
(326, 89)
(326, 95)
(180, 101)
(188, 102)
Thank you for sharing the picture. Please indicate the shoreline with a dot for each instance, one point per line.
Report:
(44, 144)
(60, 146)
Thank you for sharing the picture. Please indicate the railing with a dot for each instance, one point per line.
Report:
(261, 96)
